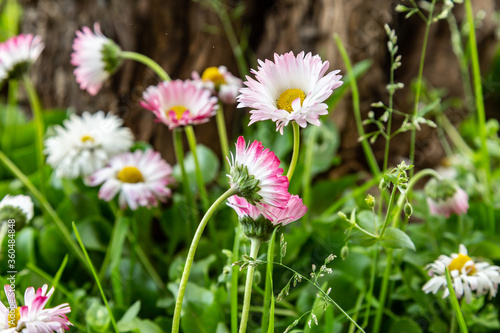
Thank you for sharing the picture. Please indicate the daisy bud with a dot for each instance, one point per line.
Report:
(445, 198)
(18, 208)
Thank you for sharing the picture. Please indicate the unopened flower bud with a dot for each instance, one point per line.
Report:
(408, 209)
(344, 252)
(370, 200)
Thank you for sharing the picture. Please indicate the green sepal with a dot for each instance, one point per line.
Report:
(111, 57)
(246, 183)
(260, 228)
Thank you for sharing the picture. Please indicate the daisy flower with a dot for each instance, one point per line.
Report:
(17, 54)
(85, 144)
(140, 177)
(289, 89)
(96, 57)
(18, 207)
(446, 198)
(255, 172)
(179, 103)
(32, 317)
(467, 275)
(220, 82)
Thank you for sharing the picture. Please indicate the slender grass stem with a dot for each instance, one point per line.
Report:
(94, 273)
(389, 208)
(221, 128)
(454, 303)
(369, 295)
(39, 129)
(268, 287)
(146, 61)
(389, 121)
(383, 293)
(254, 251)
(45, 206)
(191, 137)
(10, 114)
(234, 279)
(190, 256)
(428, 23)
(372, 162)
(295, 154)
(307, 176)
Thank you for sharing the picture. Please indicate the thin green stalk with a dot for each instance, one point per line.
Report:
(372, 162)
(389, 121)
(295, 154)
(268, 288)
(10, 114)
(179, 154)
(234, 279)
(455, 136)
(143, 258)
(254, 251)
(45, 206)
(221, 128)
(485, 175)
(388, 213)
(357, 309)
(190, 256)
(383, 293)
(307, 177)
(39, 128)
(146, 61)
(428, 23)
(199, 177)
(369, 296)
(94, 273)
(454, 302)
(116, 241)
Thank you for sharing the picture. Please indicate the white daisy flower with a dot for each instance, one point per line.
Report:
(22, 203)
(220, 82)
(467, 276)
(289, 89)
(18, 53)
(85, 144)
(140, 177)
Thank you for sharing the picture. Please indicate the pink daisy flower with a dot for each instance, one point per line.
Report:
(96, 57)
(140, 177)
(179, 103)
(220, 82)
(289, 89)
(256, 173)
(32, 317)
(446, 198)
(18, 53)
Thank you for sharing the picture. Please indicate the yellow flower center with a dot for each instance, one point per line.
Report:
(130, 174)
(14, 318)
(213, 74)
(178, 110)
(459, 262)
(86, 138)
(286, 98)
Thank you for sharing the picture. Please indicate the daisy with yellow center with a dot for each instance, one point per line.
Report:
(179, 103)
(220, 82)
(140, 178)
(292, 88)
(467, 275)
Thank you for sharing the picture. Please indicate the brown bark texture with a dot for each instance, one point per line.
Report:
(183, 36)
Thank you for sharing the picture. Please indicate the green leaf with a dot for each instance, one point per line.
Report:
(396, 239)
(97, 318)
(405, 325)
(126, 322)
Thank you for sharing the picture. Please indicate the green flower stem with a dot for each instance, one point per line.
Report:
(221, 128)
(105, 300)
(372, 162)
(254, 251)
(179, 154)
(383, 293)
(389, 121)
(199, 177)
(46, 207)
(191, 253)
(485, 175)
(388, 213)
(269, 275)
(234, 279)
(454, 302)
(146, 61)
(369, 295)
(295, 154)
(114, 241)
(39, 128)
(428, 22)
(307, 177)
(10, 114)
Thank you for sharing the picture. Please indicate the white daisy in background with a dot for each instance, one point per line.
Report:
(96, 57)
(255, 172)
(179, 103)
(140, 177)
(17, 54)
(15, 205)
(468, 276)
(289, 89)
(220, 82)
(85, 144)
(32, 317)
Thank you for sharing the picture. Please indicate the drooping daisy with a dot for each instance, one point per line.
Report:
(468, 276)
(140, 177)
(17, 54)
(259, 222)
(255, 172)
(221, 82)
(445, 197)
(289, 89)
(32, 317)
(18, 207)
(179, 103)
(96, 57)
(85, 144)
